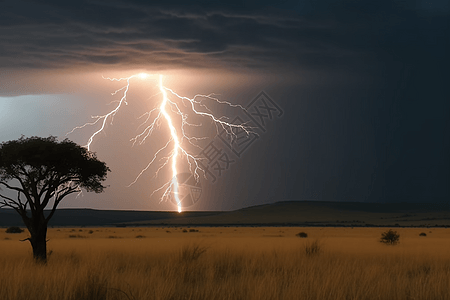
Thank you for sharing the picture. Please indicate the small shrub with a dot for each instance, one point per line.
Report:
(193, 230)
(91, 231)
(313, 248)
(390, 237)
(76, 236)
(14, 229)
(185, 230)
(422, 234)
(302, 234)
(114, 237)
(140, 236)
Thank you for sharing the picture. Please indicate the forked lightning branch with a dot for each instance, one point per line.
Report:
(172, 106)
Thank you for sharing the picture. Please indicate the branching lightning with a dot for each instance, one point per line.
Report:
(165, 113)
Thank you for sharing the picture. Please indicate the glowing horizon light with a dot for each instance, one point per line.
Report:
(172, 186)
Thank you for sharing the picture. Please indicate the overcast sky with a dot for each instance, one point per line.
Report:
(357, 92)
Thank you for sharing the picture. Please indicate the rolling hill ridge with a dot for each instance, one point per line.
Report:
(285, 213)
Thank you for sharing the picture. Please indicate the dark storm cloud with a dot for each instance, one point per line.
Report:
(306, 34)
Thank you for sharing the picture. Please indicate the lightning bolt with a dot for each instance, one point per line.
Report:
(164, 112)
(176, 147)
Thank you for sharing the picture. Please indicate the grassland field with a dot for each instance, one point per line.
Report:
(227, 263)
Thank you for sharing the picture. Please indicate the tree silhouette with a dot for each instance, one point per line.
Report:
(42, 171)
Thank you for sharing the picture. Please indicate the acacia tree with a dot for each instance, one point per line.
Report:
(41, 172)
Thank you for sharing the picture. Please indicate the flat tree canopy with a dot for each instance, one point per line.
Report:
(42, 171)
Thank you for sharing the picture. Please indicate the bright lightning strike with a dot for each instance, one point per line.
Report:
(176, 147)
(166, 109)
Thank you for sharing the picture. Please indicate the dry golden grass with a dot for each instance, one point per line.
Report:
(227, 263)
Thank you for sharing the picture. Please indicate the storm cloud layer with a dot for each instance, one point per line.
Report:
(239, 34)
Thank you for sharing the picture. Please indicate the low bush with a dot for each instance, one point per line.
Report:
(14, 229)
(422, 234)
(390, 237)
(302, 234)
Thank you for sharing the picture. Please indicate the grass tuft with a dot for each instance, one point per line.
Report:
(313, 248)
(192, 252)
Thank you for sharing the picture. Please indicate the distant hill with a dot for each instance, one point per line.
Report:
(294, 213)
(93, 217)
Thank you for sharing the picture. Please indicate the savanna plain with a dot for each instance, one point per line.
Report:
(228, 263)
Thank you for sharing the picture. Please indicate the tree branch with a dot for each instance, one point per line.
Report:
(22, 207)
(34, 191)
(9, 199)
(30, 201)
(6, 204)
(50, 191)
(45, 187)
(11, 187)
(19, 207)
(51, 185)
(58, 199)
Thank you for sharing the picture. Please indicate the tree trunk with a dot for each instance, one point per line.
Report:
(38, 241)
(37, 226)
